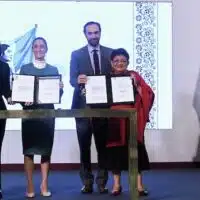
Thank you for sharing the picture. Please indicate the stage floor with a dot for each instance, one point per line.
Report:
(163, 185)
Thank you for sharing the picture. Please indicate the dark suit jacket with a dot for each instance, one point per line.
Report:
(80, 64)
(4, 83)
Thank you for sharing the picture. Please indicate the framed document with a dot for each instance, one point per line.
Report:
(122, 89)
(48, 89)
(96, 90)
(23, 87)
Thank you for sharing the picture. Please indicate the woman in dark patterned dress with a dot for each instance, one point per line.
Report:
(117, 141)
(38, 134)
(5, 91)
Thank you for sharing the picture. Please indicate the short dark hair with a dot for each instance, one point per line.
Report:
(3, 48)
(119, 52)
(40, 38)
(91, 23)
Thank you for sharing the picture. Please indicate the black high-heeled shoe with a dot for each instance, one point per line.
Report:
(143, 193)
(117, 192)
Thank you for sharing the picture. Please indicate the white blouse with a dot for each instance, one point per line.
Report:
(39, 64)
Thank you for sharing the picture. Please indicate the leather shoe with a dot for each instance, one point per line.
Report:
(87, 189)
(102, 190)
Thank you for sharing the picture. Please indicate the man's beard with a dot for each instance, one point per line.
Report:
(94, 42)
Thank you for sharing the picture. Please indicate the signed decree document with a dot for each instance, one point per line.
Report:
(96, 90)
(48, 90)
(23, 88)
(122, 89)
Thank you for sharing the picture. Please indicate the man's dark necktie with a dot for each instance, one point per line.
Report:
(96, 62)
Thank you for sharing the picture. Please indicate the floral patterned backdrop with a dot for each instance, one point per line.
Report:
(145, 49)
